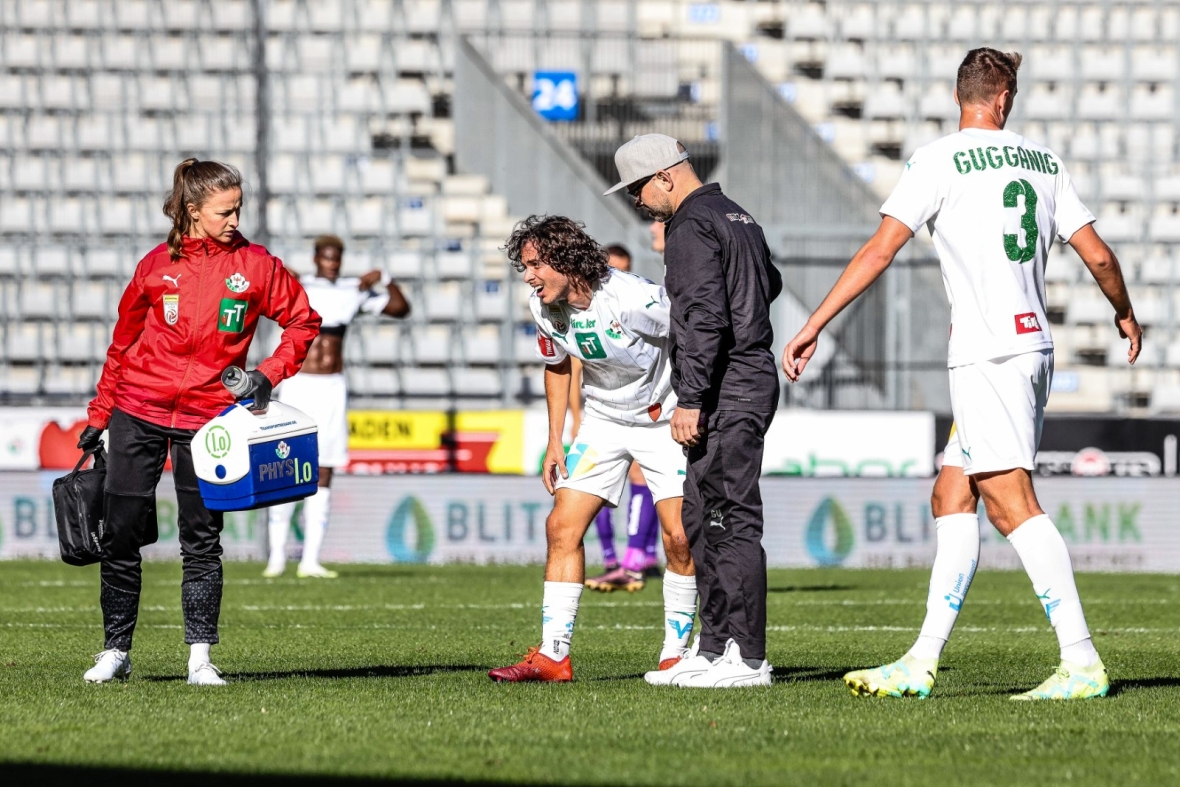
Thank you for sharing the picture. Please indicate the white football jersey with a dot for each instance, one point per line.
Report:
(340, 301)
(993, 202)
(621, 340)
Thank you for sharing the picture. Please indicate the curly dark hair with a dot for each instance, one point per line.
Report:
(562, 244)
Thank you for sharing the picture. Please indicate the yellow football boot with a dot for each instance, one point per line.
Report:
(1070, 682)
(906, 677)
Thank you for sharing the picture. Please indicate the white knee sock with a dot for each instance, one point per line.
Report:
(1046, 560)
(558, 612)
(198, 654)
(680, 610)
(315, 523)
(279, 525)
(955, 561)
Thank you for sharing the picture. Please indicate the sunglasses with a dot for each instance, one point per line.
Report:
(636, 188)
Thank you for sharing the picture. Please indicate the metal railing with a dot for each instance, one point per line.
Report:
(498, 135)
(816, 213)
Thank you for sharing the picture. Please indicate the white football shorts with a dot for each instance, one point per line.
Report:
(602, 453)
(999, 410)
(325, 398)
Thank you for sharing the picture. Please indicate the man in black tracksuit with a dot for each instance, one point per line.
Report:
(721, 282)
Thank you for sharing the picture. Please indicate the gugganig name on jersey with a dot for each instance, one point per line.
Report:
(979, 159)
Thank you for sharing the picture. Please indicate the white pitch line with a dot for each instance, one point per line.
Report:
(621, 627)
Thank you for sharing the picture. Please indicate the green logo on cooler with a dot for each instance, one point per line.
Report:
(217, 442)
(282, 450)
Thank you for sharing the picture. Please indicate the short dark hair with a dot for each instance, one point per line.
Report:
(562, 244)
(985, 72)
(618, 250)
(328, 242)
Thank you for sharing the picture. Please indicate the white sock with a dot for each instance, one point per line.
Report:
(1046, 560)
(955, 560)
(680, 609)
(315, 523)
(198, 654)
(559, 609)
(279, 526)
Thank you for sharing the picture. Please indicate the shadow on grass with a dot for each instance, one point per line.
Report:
(809, 588)
(988, 691)
(377, 671)
(808, 674)
(52, 775)
(1116, 687)
(1119, 686)
(780, 674)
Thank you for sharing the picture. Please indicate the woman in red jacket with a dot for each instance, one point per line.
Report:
(189, 312)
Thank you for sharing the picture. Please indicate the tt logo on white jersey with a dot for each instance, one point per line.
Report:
(174, 279)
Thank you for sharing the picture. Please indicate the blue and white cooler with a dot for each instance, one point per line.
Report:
(248, 460)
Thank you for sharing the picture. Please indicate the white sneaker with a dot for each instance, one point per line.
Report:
(275, 568)
(315, 572)
(205, 674)
(108, 665)
(682, 670)
(729, 671)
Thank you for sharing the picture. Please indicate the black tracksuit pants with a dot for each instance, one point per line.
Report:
(723, 523)
(137, 453)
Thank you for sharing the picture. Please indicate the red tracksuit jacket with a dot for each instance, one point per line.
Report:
(182, 323)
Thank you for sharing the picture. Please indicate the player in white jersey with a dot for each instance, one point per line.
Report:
(993, 201)
(617, 324)
(320, 391)
(643, 526)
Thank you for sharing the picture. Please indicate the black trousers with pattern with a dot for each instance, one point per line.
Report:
(723, 523)
(137, 452)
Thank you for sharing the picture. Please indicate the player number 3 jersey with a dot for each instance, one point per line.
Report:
(621, 340)
(993, 202)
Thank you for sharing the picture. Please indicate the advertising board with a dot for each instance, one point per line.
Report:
(1099, 446)
(512, 442)
(1112, 524)
(847, 443)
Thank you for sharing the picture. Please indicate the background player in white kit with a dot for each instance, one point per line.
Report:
(993, 202)
(617, 324)
(319, 390)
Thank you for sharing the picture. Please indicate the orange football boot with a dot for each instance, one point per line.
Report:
(535, 667)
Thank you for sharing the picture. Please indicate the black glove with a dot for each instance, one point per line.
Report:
(260, 388)
(91, 437)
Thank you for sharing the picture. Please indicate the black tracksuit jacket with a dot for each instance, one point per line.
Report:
(721, 281)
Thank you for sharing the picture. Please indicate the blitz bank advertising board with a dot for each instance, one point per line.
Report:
(1110, 524)
(839, 489)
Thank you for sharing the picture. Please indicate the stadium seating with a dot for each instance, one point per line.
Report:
(98, 102)
(99, 99)
(1098, 85)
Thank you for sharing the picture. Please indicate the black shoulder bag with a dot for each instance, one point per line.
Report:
(78, 505)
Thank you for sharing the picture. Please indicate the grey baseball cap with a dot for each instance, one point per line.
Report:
(644, 156)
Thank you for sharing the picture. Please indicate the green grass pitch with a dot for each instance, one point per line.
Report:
(381, 674)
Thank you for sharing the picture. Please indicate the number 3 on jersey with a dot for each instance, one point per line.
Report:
(1028, 221)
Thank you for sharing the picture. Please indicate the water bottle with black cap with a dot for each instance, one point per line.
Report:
(248, 385)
